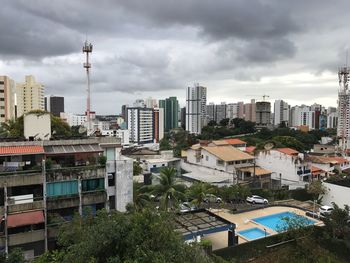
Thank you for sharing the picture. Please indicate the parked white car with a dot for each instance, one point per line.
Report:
(255, 199)
(210, 198)
(325, 210)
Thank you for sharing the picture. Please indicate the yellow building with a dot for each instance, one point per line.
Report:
(30, 96)
(7, 99)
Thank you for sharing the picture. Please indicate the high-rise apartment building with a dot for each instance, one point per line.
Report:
(7, 99)
(235, 110)
(30, 96)
(150, 103)
(56, 105)
(250, 111)
(263, 114)
(210, 108)
(140, 125)
(183, 117)
(171, 113)
(343, 129)
(281, 112)
(196, 101)
(158, 122)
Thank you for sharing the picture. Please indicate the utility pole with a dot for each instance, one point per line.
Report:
(43, 170)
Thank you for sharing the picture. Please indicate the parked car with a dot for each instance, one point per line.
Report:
(210, 198)
(187, 206)
(255, 199)
(325, 210)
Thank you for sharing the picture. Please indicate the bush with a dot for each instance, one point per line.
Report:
(301, 195)
(102, 160)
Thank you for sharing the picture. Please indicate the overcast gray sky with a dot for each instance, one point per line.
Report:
(238, 49)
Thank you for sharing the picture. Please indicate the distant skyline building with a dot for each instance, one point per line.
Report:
(196, 101)
(30, 96)
(56, 105)
(263, 114)
(7, 99)
(183, 118)
(140, 123)
(281, 113)
(171, 113)
(158, 123)
(235, 110)
(151, 103)
(343, 130)
(250, 110)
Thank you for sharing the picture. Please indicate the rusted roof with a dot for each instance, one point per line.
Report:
(316, 170)
(235, 141)
(288, 151)
(327, 159)
(25, 219)
(228, 153)
(21, 150)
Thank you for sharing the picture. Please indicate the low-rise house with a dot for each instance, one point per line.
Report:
(255, 175)
(223, 158)
(329, 163)
(288, 166)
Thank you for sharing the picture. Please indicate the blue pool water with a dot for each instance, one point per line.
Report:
(253, 233)
(279, 223)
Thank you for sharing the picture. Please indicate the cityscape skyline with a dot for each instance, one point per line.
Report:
(147, 51)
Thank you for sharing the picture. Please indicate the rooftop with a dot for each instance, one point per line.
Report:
(327, 159)
(228, 153)
(258, 170)
(235, 141)
(21, 150)
(288, 151)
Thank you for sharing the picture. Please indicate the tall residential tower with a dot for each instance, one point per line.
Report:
(343, 130)
(196, 100)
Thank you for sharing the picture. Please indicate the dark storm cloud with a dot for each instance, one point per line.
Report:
(155, 46)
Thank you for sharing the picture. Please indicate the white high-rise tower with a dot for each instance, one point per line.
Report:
(196, 101)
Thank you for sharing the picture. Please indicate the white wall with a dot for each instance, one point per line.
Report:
(38, 125)
(337, 194)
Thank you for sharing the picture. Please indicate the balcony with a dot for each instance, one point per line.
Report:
(94, 197)
(72, 173)
(36, 205)
(62, 202)
(26, 237)
(21, 178)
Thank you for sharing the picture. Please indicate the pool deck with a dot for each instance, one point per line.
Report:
(243, 221)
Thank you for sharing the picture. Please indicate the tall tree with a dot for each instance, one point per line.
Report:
(169, 190)
(198, 192)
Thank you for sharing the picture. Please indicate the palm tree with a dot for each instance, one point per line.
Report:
(141, 197)
(198, 191)
(169, 191)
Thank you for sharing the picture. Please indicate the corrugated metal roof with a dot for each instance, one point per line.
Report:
(80, 148)
(25, 219)
(21, 150)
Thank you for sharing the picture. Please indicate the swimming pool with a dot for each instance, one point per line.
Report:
(253, 233)
(278, 222)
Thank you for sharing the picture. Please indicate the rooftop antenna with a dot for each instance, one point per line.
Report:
(87, 49)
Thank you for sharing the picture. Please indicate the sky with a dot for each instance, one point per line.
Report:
(238, 49)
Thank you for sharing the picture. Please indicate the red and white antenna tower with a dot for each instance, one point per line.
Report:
(87, 48)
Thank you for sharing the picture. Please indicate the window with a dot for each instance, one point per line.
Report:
(207, 158)
(111, 180)
(220, 162)
(92, 184)
(2, 99)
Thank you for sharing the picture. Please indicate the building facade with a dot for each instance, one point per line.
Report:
(7, 99)
(171, 112)
(140, 123)
(56, 105)
(30, 96)
(250, 111)
(196, 101)
(263, 114)
(281, 113)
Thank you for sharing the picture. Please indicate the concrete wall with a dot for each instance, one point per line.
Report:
(38, 125)
(337, 194)
(124, 183)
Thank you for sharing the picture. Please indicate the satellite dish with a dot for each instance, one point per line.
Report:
(82, 129)
(269, 146)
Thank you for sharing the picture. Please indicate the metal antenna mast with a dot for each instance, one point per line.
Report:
(87, 48)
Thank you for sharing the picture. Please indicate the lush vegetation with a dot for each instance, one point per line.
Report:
(145, 236)
(59, 128)
(177, 140)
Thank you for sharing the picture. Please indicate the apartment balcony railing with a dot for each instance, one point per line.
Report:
(26, 237)
(71, 173)
(20, 178)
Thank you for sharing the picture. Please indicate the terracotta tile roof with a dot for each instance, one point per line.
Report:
(250, 149)
(316, 170)
(220, 142)
(25, 219)
(235, 141)
(327, 159)
(228, 153)
(288, 151)
(19, 150)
